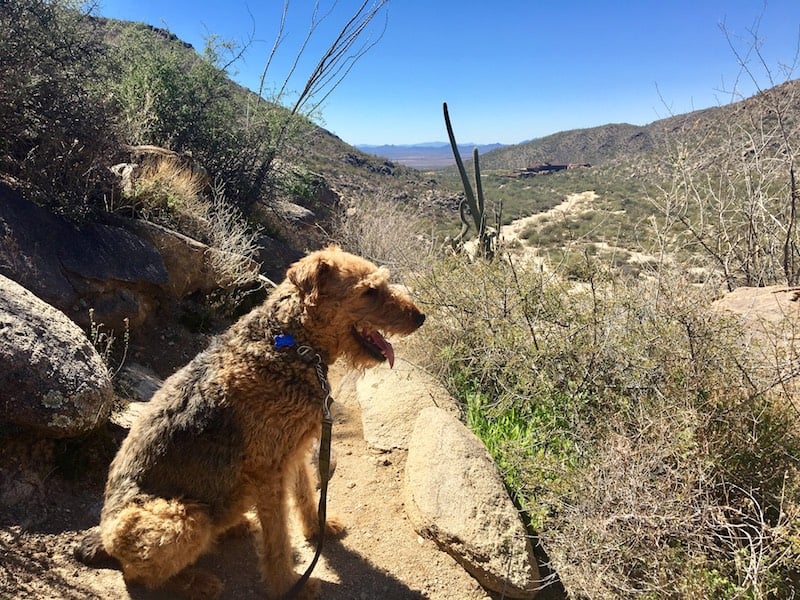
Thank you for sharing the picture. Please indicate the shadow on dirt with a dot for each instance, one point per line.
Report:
(235, 563)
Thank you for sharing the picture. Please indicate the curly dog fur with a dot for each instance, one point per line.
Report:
(231, 431)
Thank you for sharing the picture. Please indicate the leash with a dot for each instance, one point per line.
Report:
(307, 353)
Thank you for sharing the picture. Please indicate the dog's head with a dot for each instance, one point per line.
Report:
(349, 306)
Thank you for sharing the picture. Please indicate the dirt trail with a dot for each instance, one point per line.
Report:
(574, 204)
(381, 557)
(571, 205)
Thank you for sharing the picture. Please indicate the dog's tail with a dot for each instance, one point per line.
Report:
(90, 551)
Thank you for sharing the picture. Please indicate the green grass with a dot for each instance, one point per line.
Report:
(530, 446)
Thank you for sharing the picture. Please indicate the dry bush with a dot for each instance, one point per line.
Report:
(168, 192)
(384, 230)
(649, 446)
(234, 243)
(57, 132)
(164, 190)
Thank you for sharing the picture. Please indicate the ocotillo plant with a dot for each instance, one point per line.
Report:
(475, 204)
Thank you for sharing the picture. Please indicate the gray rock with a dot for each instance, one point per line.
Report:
(454, 495)
(75, 267)
(294, 212)
(52, 379)
(391, 399)
(122, 268)
(275, 257)
(139, 382)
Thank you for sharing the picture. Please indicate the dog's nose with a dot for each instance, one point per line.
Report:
(420, 319)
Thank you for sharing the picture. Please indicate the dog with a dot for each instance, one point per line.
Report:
(231, 432)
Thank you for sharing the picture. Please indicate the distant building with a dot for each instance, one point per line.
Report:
(547, 168)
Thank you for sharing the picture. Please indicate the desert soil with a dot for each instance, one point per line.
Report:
(42, 514)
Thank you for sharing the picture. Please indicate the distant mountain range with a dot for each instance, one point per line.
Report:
(428, 155)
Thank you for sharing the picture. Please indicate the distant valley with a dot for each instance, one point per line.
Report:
(431, 155)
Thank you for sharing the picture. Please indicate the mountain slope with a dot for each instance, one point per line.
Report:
(606, 143)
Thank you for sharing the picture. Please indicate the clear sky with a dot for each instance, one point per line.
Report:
(510, 70)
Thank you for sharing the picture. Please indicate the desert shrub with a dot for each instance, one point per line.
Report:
(733, 193)
(167, 95)
(183, 101)
(384, 230)
(56, 133)
(234, 242)
(647, 444)
(165, 191)
(168, 192)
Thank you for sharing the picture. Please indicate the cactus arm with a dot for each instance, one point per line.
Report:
(480, 217)
(487, 237)
(471, 202)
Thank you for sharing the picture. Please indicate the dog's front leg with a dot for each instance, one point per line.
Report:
(277, 558)
(306, 502)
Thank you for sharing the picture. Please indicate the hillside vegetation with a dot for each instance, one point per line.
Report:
(650, 436)
(714, 187)
(653, 451)
(79, 91)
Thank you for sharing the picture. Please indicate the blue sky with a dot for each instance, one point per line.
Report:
(510, 70)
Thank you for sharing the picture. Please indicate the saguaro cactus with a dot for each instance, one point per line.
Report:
(474, 204)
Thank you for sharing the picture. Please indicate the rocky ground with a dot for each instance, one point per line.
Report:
(51, 491)
(56, 492)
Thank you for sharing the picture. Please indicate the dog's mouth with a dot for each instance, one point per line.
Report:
(375, 344)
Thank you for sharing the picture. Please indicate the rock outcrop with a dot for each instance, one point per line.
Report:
(391, 399)
(187, 262)
(76, 267)
(453, 491)
(455, 496)
(121, 269)
(762, 307)
(52, 380)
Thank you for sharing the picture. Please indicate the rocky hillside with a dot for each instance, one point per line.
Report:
(622, 142)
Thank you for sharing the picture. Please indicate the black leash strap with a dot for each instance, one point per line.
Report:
(324, 473)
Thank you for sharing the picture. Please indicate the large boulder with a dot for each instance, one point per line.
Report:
(52, 380)
(763, 309)
(78, 266)
(187, 262)
(123, 269)
(455, 496)
(391, 399)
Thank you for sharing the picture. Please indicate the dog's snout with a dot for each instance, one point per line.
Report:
(419, 319)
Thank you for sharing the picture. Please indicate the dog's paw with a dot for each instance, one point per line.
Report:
(90, 551)
(195, 584)
(334, 527)
(248, 526)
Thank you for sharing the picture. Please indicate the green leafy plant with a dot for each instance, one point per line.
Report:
(56, 130)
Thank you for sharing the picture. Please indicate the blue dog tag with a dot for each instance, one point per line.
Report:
(284, 340)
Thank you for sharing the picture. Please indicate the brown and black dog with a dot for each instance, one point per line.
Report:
(230, 433)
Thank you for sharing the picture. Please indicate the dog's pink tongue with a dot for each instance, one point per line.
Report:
(384, 345)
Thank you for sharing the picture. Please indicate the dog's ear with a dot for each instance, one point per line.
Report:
(309, 275)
